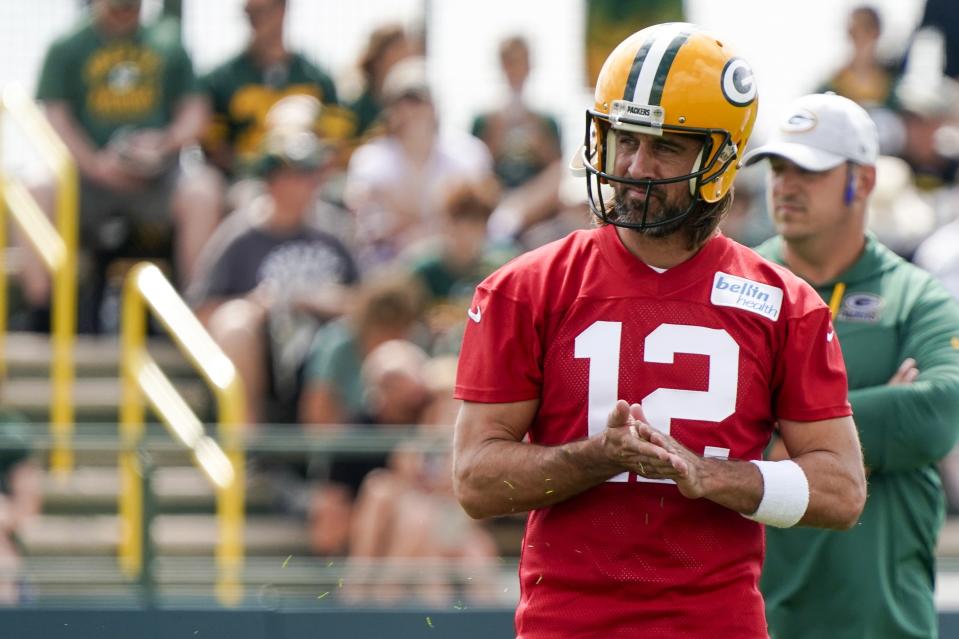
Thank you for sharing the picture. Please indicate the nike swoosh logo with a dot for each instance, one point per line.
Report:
(476, 315)
(829, 335)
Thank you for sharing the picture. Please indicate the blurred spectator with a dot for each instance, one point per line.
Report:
(898, 215)
(20, 500)
(244, 88)
(456, 261)
(929, 138)
(526, 150)
(337, 391)
(939, 254)
(522, 141)
(394, 183)
(405, 513)
(943, 15)
(868, 79)
(124, 100)
(387, 307)
(395, 391)
(928, 100)
(864, 78)
(747, 221)
(269, 277)
(386, 46)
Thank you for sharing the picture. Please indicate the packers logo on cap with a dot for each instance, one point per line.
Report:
(799, 121)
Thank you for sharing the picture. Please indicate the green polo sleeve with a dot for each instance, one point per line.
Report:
(915, 425)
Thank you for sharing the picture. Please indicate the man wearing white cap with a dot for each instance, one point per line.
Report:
(900, 338)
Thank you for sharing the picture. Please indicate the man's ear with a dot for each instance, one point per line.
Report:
(865, 180)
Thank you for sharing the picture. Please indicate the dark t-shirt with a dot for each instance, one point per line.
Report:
(243, 256)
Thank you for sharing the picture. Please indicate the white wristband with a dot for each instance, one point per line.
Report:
(785, 494)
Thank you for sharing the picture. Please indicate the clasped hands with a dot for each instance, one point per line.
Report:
(632, 444)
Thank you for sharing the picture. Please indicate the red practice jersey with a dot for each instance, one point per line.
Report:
(716, 349)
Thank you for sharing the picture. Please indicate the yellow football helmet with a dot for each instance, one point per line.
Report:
(676, 78)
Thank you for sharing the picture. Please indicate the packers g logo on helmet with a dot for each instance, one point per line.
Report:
(672, 78)
(739, 86)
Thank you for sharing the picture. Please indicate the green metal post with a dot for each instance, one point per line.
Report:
(147, 578)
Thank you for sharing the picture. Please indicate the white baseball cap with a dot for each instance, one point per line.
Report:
(407, 78)
(820, 132)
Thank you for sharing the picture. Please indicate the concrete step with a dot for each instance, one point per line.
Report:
(194, 535)
(96, 398)
(96, 489)
(29, 354)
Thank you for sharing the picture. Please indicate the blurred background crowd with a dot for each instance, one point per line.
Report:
(327, 223)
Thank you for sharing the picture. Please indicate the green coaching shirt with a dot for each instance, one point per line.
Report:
(876, 581)
(113, 84)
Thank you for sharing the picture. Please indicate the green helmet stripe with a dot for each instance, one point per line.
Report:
(636, 68)
(656, 92)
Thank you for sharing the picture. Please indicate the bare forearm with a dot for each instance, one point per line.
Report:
(505, 477)
(190, 121)
(833, 471)
(836, 492)
(737, 485)
(832, 491)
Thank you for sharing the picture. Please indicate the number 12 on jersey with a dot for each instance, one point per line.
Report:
(600, 344)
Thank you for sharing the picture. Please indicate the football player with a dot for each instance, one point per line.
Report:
(622, 383)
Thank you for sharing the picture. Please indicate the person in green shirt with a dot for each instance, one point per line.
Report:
(899, 331)
(335, 393)
(244, 88)
(456, 261)
(123, 98)
(527, 158)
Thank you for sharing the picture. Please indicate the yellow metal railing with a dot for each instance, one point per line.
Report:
(146, 287)
(57, 248)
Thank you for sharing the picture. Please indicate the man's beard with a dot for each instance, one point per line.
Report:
(630, 210)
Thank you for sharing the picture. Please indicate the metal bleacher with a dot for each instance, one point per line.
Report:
(72, 547)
